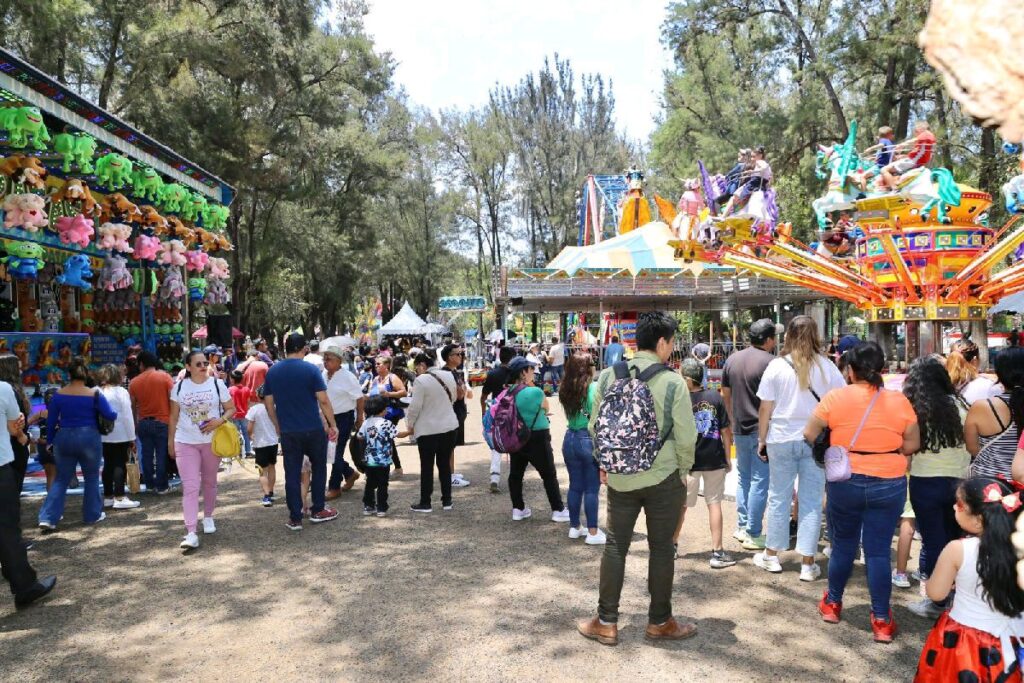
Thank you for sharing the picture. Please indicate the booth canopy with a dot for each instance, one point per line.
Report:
(405, 322)
(645, 247)
(201, 333)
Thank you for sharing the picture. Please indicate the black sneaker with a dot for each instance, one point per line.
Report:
(369, 510)
(42, 587)
(448, 506)
(420, 507)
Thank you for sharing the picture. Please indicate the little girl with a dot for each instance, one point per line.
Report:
(980, 638)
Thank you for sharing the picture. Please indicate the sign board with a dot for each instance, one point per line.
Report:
(462, 303)
(107, 349)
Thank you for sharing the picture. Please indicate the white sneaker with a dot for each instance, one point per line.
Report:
(190, 541)
(740, 535)
(108, 502)
(577, 532)
(827, 551)
(208, 526)
(518, 515)
(809, 572)
(560, 515)
(458, 482)
(126, 504)
(596, 539)
(767, 562)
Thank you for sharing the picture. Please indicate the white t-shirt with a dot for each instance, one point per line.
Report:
(343, 390)
(793, 406)
(197, 404)
(534, 360)
(981, 388)
(315, 359)
(557, 355)
(263, 432)
(124, 425)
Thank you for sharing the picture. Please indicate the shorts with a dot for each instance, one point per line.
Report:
(903, 165)
(714, 486)
(266, 455)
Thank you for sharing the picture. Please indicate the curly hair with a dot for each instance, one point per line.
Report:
(937, 405)
(572, 391)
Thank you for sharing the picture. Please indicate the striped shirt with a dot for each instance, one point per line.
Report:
(995, 456)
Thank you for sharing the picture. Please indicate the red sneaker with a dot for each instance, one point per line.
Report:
(829, 610)
(325, 515)
(885, 631)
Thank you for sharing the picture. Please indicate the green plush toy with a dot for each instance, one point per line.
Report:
(78, 148)
(173, 197)
(215, 216)
(23, 122)
(146, 182)
(24, 260)
(113, 170)
(194, 207)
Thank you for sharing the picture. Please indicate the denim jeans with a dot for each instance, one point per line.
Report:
(556, 375)
(752, 489)
(584, 477)
(295, 445)
(933, 499)
(872, 505)
(153, 454)
(243, 427)
(341, 469)
(73, 447)
(787, 462)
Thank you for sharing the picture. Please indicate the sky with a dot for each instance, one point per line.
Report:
(451, 53)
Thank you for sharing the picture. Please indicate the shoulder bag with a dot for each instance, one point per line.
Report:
(104, 425)
(837, 458)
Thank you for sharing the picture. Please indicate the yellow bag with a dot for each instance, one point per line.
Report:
(132, 474)
(227, 441)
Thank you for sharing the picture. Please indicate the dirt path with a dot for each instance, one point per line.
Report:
(466, 594)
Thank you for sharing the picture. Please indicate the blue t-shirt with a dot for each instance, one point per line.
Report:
(884, 155)
(293, 383)
(613, 353)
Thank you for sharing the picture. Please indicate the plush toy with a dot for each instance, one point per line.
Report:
(75, 230)
(173, 287)
(146, 248)
(24, 260)
(207, 240)
(76, 191)
(177, 230)
(193, 207)
(115, 208)
(173, 197)
(22, 123)
(25, 211)
(49, 309)
(215, 216)
(153, 220)
(196, 288)
(223, 243)
(217, 269)
(216, 293)
(114, 275)
(115, 236)
(77, 272)
(144, 282)
(146, 182)
(23, 170)
(78, 148)
(172, 253)
(196, 260)
(113, 170)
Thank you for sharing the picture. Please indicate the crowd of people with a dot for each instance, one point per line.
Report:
(817, 438)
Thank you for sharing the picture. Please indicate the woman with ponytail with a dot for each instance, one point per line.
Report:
(992, 427)
(977, 639)
(962, 364)
(868, 504)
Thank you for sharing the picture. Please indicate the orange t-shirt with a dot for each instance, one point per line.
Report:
(152, 393)
(876, 452)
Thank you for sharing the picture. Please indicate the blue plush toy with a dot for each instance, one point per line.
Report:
(77, 272)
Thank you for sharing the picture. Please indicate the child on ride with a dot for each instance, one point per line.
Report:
(758, 176)
(919, 155)
(883, 150)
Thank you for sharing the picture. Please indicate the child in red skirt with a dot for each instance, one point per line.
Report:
(981, 638)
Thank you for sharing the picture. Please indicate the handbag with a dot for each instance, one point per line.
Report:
(132, 474)
(104, 425)
(837, 458)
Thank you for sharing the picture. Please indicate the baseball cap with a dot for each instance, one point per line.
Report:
(692, 368)
(518, 364)
(212, 348)
(847, 342)
(762, 329)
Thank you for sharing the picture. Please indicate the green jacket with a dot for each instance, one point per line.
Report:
(676, 456)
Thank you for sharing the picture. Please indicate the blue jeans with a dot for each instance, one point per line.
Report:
(243, 426)
(341, 469)
(787, 461)
(872, 505)
(153, 437)
(584, 479)
(556, 375)
(295, 445)
(933, 499)
(752, 489)
(73, 447)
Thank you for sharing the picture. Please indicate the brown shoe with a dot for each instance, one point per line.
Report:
(333, 493)
(606, 634)
(349, 481)
(671, 630)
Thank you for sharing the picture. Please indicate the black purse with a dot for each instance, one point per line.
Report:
(104, 425)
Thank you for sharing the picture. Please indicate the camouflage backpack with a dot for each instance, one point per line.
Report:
(627, 439)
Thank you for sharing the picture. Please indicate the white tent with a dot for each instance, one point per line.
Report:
(405, 322)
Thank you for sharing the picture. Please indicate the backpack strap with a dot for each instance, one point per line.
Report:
(670, 401)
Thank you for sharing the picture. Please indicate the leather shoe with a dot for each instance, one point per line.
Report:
(349, 481)
(670, 630)
(332, 494)
(42, 587)
(606, 634)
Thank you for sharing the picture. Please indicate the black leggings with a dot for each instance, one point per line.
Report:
(435, 449)
(20, 463)
(115, 464)
(536, 452)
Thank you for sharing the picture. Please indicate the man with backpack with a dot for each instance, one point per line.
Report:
(644, 437)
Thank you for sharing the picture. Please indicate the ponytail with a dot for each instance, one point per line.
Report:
(997, 562)
(961, 371)
(866, 361)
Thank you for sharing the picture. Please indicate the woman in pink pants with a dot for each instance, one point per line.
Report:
(199, 404)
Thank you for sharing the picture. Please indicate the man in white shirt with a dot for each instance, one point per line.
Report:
(314, 356)
(556, 357)
(346, 399)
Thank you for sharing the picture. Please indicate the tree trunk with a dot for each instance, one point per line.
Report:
(988, 170)
(110, 68)
(945, 152)
(906, 95)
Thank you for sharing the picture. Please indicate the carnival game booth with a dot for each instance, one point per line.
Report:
(110, 239)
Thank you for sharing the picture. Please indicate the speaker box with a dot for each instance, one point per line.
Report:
(218, 327)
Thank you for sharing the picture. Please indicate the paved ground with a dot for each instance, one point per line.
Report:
(458, 595)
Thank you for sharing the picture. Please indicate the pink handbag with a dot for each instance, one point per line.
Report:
(837, 458)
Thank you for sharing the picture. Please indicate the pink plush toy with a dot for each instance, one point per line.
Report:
(115, 236)
(75, 230)
(217, 269)
(25, 211)
(196, 260)
(172, 253)
(146, 248)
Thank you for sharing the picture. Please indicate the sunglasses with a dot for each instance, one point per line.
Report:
(202, 364)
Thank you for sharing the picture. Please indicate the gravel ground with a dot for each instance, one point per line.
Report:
(465, 594)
